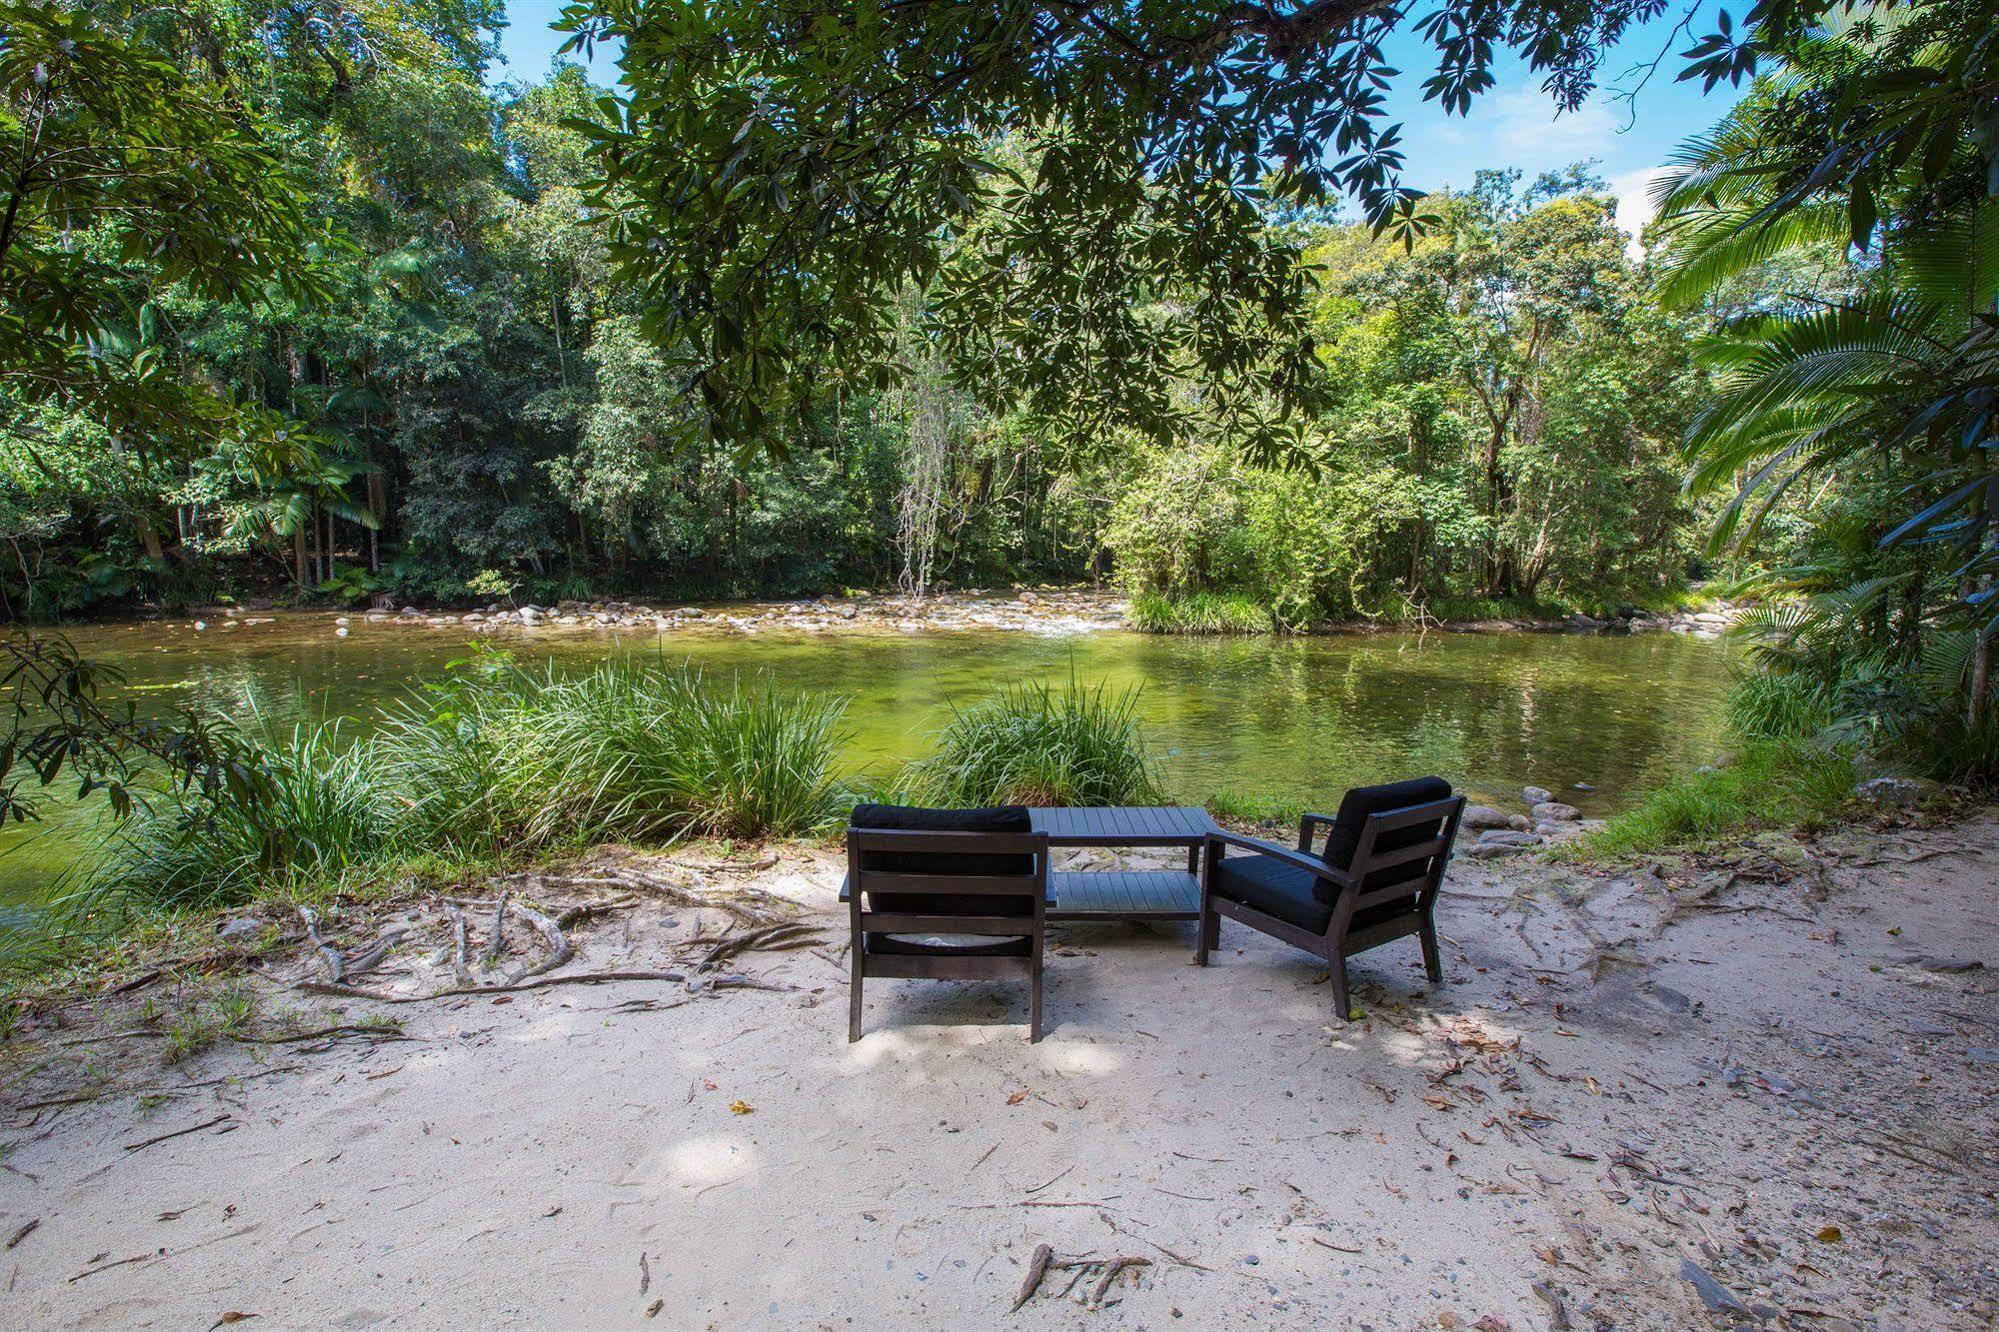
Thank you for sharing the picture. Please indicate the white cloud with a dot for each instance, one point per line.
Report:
(1634, 202)
(1523, 121)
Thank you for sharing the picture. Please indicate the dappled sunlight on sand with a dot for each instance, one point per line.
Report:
(1078, 1058)
(707, 1159)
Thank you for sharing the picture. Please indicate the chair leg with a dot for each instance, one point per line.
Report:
(1204, 931)
(1341, 1000)
(854, 1001)
(1034, 1005)
(1433, 961)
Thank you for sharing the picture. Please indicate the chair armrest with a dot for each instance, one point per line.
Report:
(1311, 864)
(1307, 824)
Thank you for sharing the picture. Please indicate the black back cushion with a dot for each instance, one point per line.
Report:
(1344, 838)
(913, 818)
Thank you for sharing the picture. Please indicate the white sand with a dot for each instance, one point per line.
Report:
(1733, 1084)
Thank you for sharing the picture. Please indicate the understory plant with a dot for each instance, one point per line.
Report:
(318, 812)
(1768, 784)
(492, 760)
(1199, 613)
(1034, 744)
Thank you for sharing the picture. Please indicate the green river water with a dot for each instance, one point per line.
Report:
(1295, 718)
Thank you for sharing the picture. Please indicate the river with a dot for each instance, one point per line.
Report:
(1299, 718)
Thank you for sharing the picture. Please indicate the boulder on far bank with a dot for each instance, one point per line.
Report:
(1901, 792)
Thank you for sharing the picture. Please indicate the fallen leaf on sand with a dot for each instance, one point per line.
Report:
(1829, 1235)
(1016, 1098)
(741, 1108)
(231, 1317)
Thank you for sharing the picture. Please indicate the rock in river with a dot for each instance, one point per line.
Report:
(1554, 811)
(1477, 817)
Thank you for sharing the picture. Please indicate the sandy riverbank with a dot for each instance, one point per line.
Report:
(1768, 1078)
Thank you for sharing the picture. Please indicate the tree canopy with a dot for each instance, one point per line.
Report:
(1080, 185)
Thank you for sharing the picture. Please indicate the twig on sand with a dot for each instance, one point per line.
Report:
(1045, 1183)
(336, 971)
(178, 1133)
(341, 1029)
(1037, 1268)
(106, 1267)
(540, 983)
(1115, 1268)
(23, 1232)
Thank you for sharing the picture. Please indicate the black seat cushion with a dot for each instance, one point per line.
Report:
(1274, 888)
(1344, 837)
(915, 818)
(1294, 896)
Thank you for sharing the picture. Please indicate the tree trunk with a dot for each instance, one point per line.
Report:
(298, 557)
(150, 539)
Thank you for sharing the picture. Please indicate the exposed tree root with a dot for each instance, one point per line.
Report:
(559, 948)
(540, 983)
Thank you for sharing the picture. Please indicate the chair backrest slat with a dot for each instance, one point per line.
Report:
(970, 885)
(977, 887)
(1370, 859)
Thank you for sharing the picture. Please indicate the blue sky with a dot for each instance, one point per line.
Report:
(1512, 126)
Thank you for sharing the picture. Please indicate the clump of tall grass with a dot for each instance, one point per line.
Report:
(493, 760)
(1031, 744)
(1199, 613)
(318, 813)
(1769, 706)
(630, 749)
(1768, 784)
(1238, 806)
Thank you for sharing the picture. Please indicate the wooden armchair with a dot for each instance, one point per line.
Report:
(976, 877)
(1376, 879)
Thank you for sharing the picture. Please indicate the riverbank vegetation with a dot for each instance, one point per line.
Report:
(497, 765)
(463, 402)
(493, 763)
(430, 335)
(1769, 784)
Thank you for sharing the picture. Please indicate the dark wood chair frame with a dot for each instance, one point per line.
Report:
(1340, 941)
(945, 961)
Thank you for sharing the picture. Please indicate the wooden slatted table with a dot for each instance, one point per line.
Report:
(1126, 894)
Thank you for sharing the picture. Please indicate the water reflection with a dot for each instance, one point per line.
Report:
(1300, 718)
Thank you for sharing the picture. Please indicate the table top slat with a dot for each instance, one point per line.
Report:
(1126, 825)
